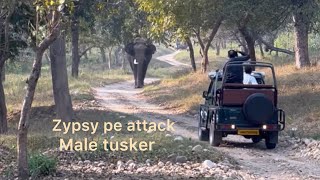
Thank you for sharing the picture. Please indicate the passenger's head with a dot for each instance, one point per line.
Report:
(232, 54)
(248, 69)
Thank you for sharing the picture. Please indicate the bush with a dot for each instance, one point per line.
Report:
(41, 165)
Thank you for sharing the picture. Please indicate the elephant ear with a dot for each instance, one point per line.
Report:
(151, 49)
(129, 49)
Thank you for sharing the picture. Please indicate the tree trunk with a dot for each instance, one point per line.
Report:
(224, 44)
(3, 73)
(301, 28)
(123, 59)
(261, 49)
(24, 118)
(103, 54)
(3, 107)
(110, 57)
(60, 84)
(117, 55)
(75, 46)
(191, 53)
(250, 42)
(22, 139)
(218, 48)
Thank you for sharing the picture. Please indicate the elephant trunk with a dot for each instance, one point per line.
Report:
(140, 69)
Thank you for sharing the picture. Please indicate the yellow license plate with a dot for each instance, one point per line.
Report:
(248, 132)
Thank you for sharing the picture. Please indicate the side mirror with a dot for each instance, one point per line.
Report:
(205, 94)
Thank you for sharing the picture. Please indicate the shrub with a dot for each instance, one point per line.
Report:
(41, 165)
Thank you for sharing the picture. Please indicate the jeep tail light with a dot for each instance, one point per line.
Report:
(228, 126)
(270, 126)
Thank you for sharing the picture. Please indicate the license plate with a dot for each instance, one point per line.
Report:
(248, 132)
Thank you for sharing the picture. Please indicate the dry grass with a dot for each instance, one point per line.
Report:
(299, 93)
(79, 88)
(181, 93)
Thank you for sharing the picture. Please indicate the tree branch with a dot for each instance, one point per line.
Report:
(214, 31)
(84, 52)
(272, 48)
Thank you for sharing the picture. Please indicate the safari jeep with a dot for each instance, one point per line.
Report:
(248, 110)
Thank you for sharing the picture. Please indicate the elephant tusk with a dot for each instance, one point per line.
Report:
(135, 61)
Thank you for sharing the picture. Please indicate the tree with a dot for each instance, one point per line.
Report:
(75, 40)
(10, 20)
(5, 15)
(49, 16)
(302, 18)
(81, 22)
(254, 19)
(61, 94)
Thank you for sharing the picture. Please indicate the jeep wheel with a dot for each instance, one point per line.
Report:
(215, 137)
(271, 140)
(256, 139)
(203, 134)
(270, 145)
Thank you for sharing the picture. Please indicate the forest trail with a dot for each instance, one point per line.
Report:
(284, 162)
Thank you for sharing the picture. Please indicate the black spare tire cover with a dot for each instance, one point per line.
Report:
(258, 108)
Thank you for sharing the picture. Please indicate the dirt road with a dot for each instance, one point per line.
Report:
(284, 162)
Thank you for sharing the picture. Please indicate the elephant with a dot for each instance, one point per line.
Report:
(139, 54)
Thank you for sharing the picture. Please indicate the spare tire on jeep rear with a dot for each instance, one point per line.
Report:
(258, 108)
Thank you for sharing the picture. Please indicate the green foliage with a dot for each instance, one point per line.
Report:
(285, 40)
(41, 165)
(174, 18)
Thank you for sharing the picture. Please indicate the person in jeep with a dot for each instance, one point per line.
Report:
(235, 73)
(247, 77)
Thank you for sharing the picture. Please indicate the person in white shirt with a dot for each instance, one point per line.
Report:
(247, 77)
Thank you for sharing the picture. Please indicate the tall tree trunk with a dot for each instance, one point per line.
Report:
(60, 84)
(123, 59)
(218, 48)
(261, 49)
(3, 107)
(75, 45)
(4, 55)
(301, 28)
(117, 55)
(224, 44)
(110, 56)
(22, 139)
(250, 42)
(103, 54)
(24, 118)
(3, 72)
(191, 53)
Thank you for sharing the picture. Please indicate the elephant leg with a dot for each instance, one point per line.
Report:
(134, 69)
(145, 68)
(140, 75)
(136, 76)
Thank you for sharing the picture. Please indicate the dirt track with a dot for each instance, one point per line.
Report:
(282, 163)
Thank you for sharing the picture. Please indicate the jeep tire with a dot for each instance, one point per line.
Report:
(215, 137)
(271, 140)
(203, 134)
